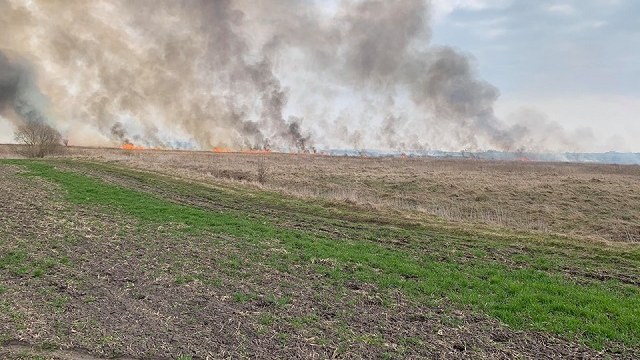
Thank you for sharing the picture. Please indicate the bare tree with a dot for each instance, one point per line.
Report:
(262, 171)
(39, 139)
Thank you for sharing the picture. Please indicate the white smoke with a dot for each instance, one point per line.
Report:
(273, 73)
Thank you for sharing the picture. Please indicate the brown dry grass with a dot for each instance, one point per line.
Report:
(585, 200)
(8, 152)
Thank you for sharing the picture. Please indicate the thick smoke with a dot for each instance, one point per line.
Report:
(9, 78)
(283, 74)
(20, 99)
(118, 132)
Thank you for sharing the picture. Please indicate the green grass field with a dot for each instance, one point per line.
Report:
(582, 292)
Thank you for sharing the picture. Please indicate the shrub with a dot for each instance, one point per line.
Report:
(262, 171)
(38, 138)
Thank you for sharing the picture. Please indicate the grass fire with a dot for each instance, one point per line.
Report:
(327, 179)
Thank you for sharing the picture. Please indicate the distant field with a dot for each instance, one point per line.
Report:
(150, 254)
(588, 201)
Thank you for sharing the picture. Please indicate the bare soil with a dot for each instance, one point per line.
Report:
(113, 287)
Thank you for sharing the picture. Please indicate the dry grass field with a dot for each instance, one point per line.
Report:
(106, 253)
(586, 200)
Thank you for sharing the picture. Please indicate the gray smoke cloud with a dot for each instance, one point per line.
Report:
(20, 99)
(277, 74)
(9, 78)
(118, 131)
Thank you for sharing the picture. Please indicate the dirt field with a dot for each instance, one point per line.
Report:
(98, 260)
(585, 200)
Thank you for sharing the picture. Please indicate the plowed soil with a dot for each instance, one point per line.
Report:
(85, 282)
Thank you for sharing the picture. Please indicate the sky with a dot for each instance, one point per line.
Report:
(576, 62)
(559, 75)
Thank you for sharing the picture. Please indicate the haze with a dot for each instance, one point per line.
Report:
(302, 75)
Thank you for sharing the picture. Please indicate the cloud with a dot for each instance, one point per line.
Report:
(587, 26)
(443, 8)
(487, 29)
(561, 9)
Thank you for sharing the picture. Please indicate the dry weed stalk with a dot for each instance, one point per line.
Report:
(262, 171)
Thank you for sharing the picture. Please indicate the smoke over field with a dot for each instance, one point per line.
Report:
(288, 75)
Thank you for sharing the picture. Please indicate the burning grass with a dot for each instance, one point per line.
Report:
(129, 146)
(583, 292)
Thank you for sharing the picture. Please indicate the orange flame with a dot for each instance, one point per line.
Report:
(222, 150)
(129, 146)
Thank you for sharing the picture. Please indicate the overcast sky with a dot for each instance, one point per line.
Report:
(578, 62)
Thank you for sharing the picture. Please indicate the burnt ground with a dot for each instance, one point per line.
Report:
(82, 282)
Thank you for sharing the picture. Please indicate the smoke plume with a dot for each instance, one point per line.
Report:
(20, 98)
(282, 74)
